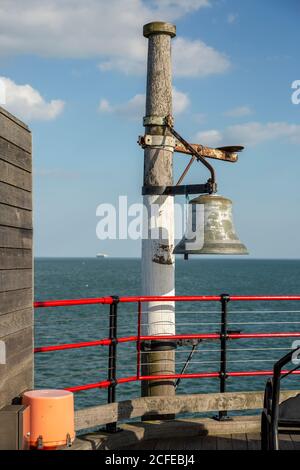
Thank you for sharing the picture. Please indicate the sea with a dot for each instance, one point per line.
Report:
(73, 278)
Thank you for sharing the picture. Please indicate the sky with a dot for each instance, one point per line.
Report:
(75, 72)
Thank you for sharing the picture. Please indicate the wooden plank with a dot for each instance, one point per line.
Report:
(239, 442)
(296, 440)
(14, 279)
(285, 442)
(188, 432)
(224, 442)
(16, 303)
(13, 154)
(12, 131)
(19, 361)
(208, 443)
(15, 176)
(17, 383)
(14, 321)
(14, 217)
(15, 300)
(254, 441)
(14, 258)
(15, 196)
(98, 415)
(16, 343)
(12, 237)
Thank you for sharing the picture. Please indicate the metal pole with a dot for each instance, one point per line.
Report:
(112, 358)
(158, 264)
(223, 360)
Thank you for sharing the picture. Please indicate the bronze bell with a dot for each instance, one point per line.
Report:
(211, 230)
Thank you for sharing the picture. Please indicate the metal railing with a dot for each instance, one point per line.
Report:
(113, 339)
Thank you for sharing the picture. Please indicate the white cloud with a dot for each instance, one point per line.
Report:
(251, 133)
(240, 111)
(190, 59)
(174, 9)
(181, 101)
(132, 109)
(108, 30)
(196, 59)
(135, 107)
(211, 138)
(104, 106)
(232, 18)
(28, 104)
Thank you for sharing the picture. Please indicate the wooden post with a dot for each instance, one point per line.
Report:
(158, 267)
(16, 259)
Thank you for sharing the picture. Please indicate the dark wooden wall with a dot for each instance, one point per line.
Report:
(16, 266)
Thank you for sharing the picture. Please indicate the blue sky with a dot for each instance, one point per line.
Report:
(84, 67)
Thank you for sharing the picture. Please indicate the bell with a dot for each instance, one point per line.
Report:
(210, 229)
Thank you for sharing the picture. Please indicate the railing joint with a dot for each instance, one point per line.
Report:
(115, 299)
(225, 298)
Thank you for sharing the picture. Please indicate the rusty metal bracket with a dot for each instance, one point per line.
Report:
(227, 154)
(195, 154)
(178, 144)
(166, 142)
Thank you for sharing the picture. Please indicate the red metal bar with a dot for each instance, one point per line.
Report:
(139, 338)
(243, 298)
(263, 335)
(195, 298)
(257, 373)
(103, 384)
(183, 298)
(85, 344)
(65, 303)
(127, 339)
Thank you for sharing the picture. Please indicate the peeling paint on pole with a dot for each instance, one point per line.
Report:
(158, 266)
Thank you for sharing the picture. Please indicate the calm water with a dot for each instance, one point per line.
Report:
(75, 278)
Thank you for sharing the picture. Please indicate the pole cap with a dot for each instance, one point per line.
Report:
(159, 27)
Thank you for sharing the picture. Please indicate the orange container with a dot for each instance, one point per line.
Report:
(51, 418)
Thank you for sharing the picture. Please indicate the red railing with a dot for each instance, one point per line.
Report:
(139, 339)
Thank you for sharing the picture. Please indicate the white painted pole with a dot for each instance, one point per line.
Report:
(158, 266)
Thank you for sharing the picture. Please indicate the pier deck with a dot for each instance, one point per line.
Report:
(242, 433)
(247, 441)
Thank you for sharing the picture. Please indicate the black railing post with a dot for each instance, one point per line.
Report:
(112, 358)
(225, 298)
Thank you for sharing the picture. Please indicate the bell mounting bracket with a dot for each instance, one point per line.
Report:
(197, 151)
(183, 189)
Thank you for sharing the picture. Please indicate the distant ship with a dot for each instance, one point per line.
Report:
(101, 255)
